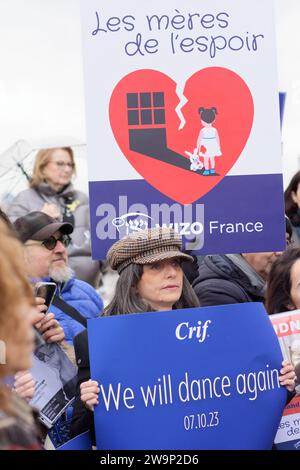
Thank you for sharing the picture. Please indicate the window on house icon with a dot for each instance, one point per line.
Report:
(145, 108)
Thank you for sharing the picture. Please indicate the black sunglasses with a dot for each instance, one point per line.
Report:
(51, 242)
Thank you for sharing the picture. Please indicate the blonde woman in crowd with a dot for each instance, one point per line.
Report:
(52, 192)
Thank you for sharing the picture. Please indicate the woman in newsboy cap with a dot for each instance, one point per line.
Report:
(151, 278)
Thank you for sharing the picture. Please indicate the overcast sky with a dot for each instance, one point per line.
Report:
(41, 82)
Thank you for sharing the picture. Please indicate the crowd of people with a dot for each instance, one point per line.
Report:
(45, 237)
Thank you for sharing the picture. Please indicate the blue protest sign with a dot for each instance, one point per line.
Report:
(81, 442)
(204, 378)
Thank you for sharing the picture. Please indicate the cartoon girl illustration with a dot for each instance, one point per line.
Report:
(208, 143)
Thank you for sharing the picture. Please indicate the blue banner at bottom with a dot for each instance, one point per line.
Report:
(203, 378)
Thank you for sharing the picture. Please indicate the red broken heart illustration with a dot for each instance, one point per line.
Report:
(146, 126)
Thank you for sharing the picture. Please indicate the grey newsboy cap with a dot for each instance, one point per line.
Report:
(146, 247)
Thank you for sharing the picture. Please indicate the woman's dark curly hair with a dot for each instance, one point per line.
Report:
(291, 208)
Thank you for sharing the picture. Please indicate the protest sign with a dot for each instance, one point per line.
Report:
(183, 124)
(55, 381)
(203, 378)
(81, 442)
(287, 327)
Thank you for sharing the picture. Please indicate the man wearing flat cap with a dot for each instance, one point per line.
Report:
(45, 241)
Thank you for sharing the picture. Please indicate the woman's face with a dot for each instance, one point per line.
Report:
(19, 345)
(295, 286)
(58, 171)
(296, 196)
(161, 284)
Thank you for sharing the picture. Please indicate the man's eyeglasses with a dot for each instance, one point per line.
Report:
(51, 242)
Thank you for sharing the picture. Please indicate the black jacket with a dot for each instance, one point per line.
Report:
(82, 419)
(221, 282)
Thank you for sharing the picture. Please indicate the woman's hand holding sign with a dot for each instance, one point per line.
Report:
(288, 376)
(89, 392)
